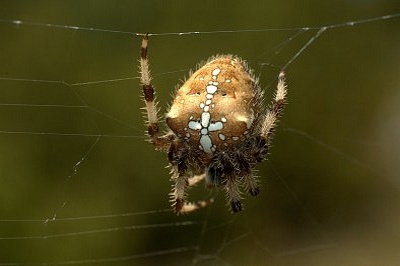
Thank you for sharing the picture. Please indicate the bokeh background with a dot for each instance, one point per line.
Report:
(72, 145)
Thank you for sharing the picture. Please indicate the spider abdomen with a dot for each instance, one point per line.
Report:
(217, 106)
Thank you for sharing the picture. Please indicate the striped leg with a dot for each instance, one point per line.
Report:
(150, 101)
(183, 181)
(178, 193)
(166, 142)
(276, 108)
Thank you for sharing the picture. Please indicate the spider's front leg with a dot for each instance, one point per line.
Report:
(275, 109)
(261, 142)
(176, 154)
(160, 142)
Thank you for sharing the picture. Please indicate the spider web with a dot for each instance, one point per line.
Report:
(79, 184)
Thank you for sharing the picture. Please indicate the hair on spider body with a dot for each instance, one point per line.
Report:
(219, 128)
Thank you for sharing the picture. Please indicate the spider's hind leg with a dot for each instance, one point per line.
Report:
(223, 172)
(178, 157)
(178, 193)
(214, 174)
(245, 170)
(233, 193)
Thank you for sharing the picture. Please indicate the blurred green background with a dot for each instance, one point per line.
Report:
(330, 189)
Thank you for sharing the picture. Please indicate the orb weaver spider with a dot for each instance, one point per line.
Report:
(219, 128)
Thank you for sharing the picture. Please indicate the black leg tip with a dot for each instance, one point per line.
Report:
(178, 205)
(254, 191)
(236, 206)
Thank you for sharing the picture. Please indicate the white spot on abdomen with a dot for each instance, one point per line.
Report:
(215, 126)
(215, 72)
(206, 144)
(205, 126)
(211, 89)
(194, 125)
(205, 119)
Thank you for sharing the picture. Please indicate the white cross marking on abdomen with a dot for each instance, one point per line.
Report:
(205, 125)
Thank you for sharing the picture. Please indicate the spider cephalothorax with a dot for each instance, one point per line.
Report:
(219, 128)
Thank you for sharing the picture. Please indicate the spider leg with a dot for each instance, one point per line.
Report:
(178, 194)
(260, 143)
(233, 193)
(245, 170)
(192, 206)
(178, 191)
(160, 142)
(276, 108)
(224, 173)
(178, 158)
(196, 179)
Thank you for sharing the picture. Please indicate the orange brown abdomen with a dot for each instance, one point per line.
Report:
(216, 106)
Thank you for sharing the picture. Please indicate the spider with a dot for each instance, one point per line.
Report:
(219, 128)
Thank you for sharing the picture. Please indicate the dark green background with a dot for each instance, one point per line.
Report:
(330, 189)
